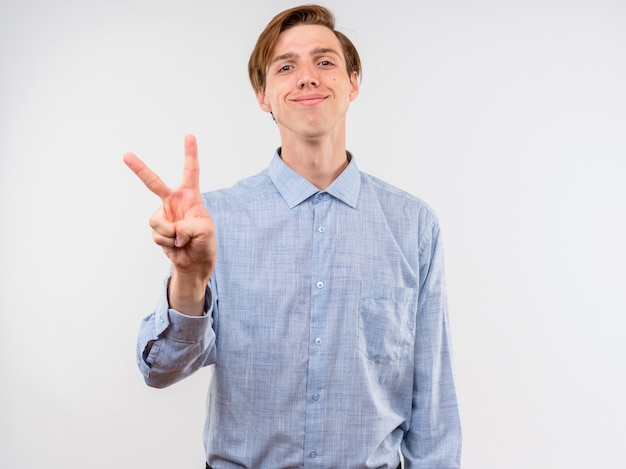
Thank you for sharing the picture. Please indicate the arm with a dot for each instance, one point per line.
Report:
(434, 437)
(184, 230)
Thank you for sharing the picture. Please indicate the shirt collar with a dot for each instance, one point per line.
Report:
(295, 189)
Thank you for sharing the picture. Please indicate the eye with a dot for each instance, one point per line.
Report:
(284, 68)
(325, 63)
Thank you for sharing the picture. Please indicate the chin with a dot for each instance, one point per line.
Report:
(314, 129)
(309, 127)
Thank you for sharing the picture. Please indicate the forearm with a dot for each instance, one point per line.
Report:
(435, 437)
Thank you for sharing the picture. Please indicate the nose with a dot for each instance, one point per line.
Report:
(307, 78)
(307, 81)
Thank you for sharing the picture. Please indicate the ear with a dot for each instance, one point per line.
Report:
(354, 86)
(263, 101)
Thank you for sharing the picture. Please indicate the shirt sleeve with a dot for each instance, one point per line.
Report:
(434, 437)
(171, 345)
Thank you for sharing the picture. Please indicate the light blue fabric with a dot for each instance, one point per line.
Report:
(327, 327)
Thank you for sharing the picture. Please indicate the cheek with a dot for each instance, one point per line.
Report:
(268, 101)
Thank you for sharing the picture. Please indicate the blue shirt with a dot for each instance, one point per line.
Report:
(326, 327)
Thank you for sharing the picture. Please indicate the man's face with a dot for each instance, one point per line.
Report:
(308, 89)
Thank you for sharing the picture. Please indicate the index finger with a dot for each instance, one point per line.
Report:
(147, 176)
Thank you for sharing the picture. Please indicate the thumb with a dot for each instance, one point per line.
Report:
(181, 239)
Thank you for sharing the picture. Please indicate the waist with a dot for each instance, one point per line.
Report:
(209, 467)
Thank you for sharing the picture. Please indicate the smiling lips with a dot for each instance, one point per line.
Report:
(310, 100)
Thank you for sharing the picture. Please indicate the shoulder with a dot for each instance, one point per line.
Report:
(394, 200)
(247, 189)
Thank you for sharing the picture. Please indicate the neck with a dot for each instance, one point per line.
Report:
(318, 161)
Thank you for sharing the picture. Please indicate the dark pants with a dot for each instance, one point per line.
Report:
(209, 467)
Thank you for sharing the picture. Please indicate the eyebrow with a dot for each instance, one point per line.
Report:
(316, 51)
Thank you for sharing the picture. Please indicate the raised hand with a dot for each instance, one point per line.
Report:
(183, 228)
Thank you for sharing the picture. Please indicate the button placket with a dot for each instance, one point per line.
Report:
(321, 205)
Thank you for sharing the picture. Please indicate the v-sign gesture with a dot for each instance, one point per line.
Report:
(184, 229)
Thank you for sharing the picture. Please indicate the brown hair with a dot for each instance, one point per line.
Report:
(307, 15)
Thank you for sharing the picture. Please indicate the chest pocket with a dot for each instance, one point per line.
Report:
(386, 326)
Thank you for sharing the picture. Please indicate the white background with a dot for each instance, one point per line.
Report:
(507, 117)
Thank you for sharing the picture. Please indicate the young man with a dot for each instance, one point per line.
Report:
(316, 291)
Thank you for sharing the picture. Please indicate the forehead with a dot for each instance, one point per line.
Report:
(303, 39)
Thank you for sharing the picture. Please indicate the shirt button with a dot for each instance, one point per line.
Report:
(319, 197)
(321, 229)
(320, 284)
(312, 454)
(318, 341)
(316, 397)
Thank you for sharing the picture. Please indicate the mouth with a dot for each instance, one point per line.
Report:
(310, 100)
